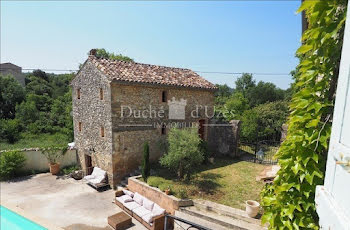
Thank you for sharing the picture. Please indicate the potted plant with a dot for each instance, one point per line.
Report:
(167, 190)
(52, 155)
(252, 208)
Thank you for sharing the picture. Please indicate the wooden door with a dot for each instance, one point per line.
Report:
(88, 164)
(333, 199)
(201, 130)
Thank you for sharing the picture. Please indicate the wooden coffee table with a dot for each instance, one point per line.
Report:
(119, 221)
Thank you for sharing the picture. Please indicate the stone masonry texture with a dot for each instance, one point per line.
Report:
(120, 151)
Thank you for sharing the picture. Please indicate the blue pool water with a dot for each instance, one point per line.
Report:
(12, 221)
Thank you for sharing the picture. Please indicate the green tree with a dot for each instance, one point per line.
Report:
(60, 84)
(26, 112)
(236, 105)
(60, 115)
(184, 151)
(244, 83)
(40, 74)
(289, 203)
(10, 130)
(11, 94)
(264, 122)
(264, 92)
(102, 53)
(145, 162)
(38, 86)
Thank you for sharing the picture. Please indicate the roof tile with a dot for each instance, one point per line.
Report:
(138, 72)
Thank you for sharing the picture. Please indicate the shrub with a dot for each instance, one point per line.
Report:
(264, 121)
(69, 169)
(182, 194)
(155, 181)
(164, 186)
(145, 162)
(203, 146)
(11, 163)
(10, 130)
(184, 152)
(53, 153)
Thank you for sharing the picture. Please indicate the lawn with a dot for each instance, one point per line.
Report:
(228, 181)
(36, 141)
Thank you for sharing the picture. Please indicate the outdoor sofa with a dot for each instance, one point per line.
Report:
(97, 179)
(150, 214)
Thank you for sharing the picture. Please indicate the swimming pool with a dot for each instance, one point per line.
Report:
(12, 221)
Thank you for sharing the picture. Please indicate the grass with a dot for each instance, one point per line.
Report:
(269, 150)
(227, 181)
(36, 141)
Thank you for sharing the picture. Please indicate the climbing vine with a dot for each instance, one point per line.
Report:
(289, 202)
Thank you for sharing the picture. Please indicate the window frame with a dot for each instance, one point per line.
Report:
(102, 131)
(164, 96)
(101, 94)
(78, 93)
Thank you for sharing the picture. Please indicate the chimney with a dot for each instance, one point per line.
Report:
(92, 52)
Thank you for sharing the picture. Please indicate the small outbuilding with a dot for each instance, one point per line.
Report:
(118, 106)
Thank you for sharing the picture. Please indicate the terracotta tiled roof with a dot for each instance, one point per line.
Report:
(144, 73)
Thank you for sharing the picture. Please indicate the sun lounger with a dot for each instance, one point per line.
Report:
(98, 178)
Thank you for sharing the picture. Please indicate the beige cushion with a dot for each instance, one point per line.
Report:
(141, 211)
(147, 204)
(148, 218)
(126, 198)
(157, 210)
(138, 198)
(127, 192)
(131, 205)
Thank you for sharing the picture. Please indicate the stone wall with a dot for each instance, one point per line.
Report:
(130, 133)
(35, 160)
(284, 132)
(93, 113)
(223, 137)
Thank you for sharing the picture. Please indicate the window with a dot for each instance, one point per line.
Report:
(79, 126)
(101, 94)
(78, 93)
(163, 129)
(164, 96)
(102, 131)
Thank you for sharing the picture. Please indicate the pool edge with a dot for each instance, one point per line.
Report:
(29, 216)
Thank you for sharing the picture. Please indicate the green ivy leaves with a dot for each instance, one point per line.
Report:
(289, 202)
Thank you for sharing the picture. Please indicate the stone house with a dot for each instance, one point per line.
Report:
(118, 106)
(13, 70)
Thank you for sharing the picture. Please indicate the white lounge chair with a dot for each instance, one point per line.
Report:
(97, 179)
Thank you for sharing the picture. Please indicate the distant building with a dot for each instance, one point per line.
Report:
(13, 70)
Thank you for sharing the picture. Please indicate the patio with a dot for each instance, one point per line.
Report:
(64, 202)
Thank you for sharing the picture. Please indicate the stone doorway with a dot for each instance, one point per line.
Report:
(201, 130)
(88, 164)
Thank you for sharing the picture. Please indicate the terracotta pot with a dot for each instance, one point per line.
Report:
(167, 191)
(54, 168)
(211, 160)
(252, 208)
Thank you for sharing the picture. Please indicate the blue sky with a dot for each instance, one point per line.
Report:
(225, 36)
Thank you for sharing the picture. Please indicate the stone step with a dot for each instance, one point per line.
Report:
(226, 222)
(224, 210)
(194, 219)
(124, 183)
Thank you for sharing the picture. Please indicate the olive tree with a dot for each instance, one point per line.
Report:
(184, 151)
